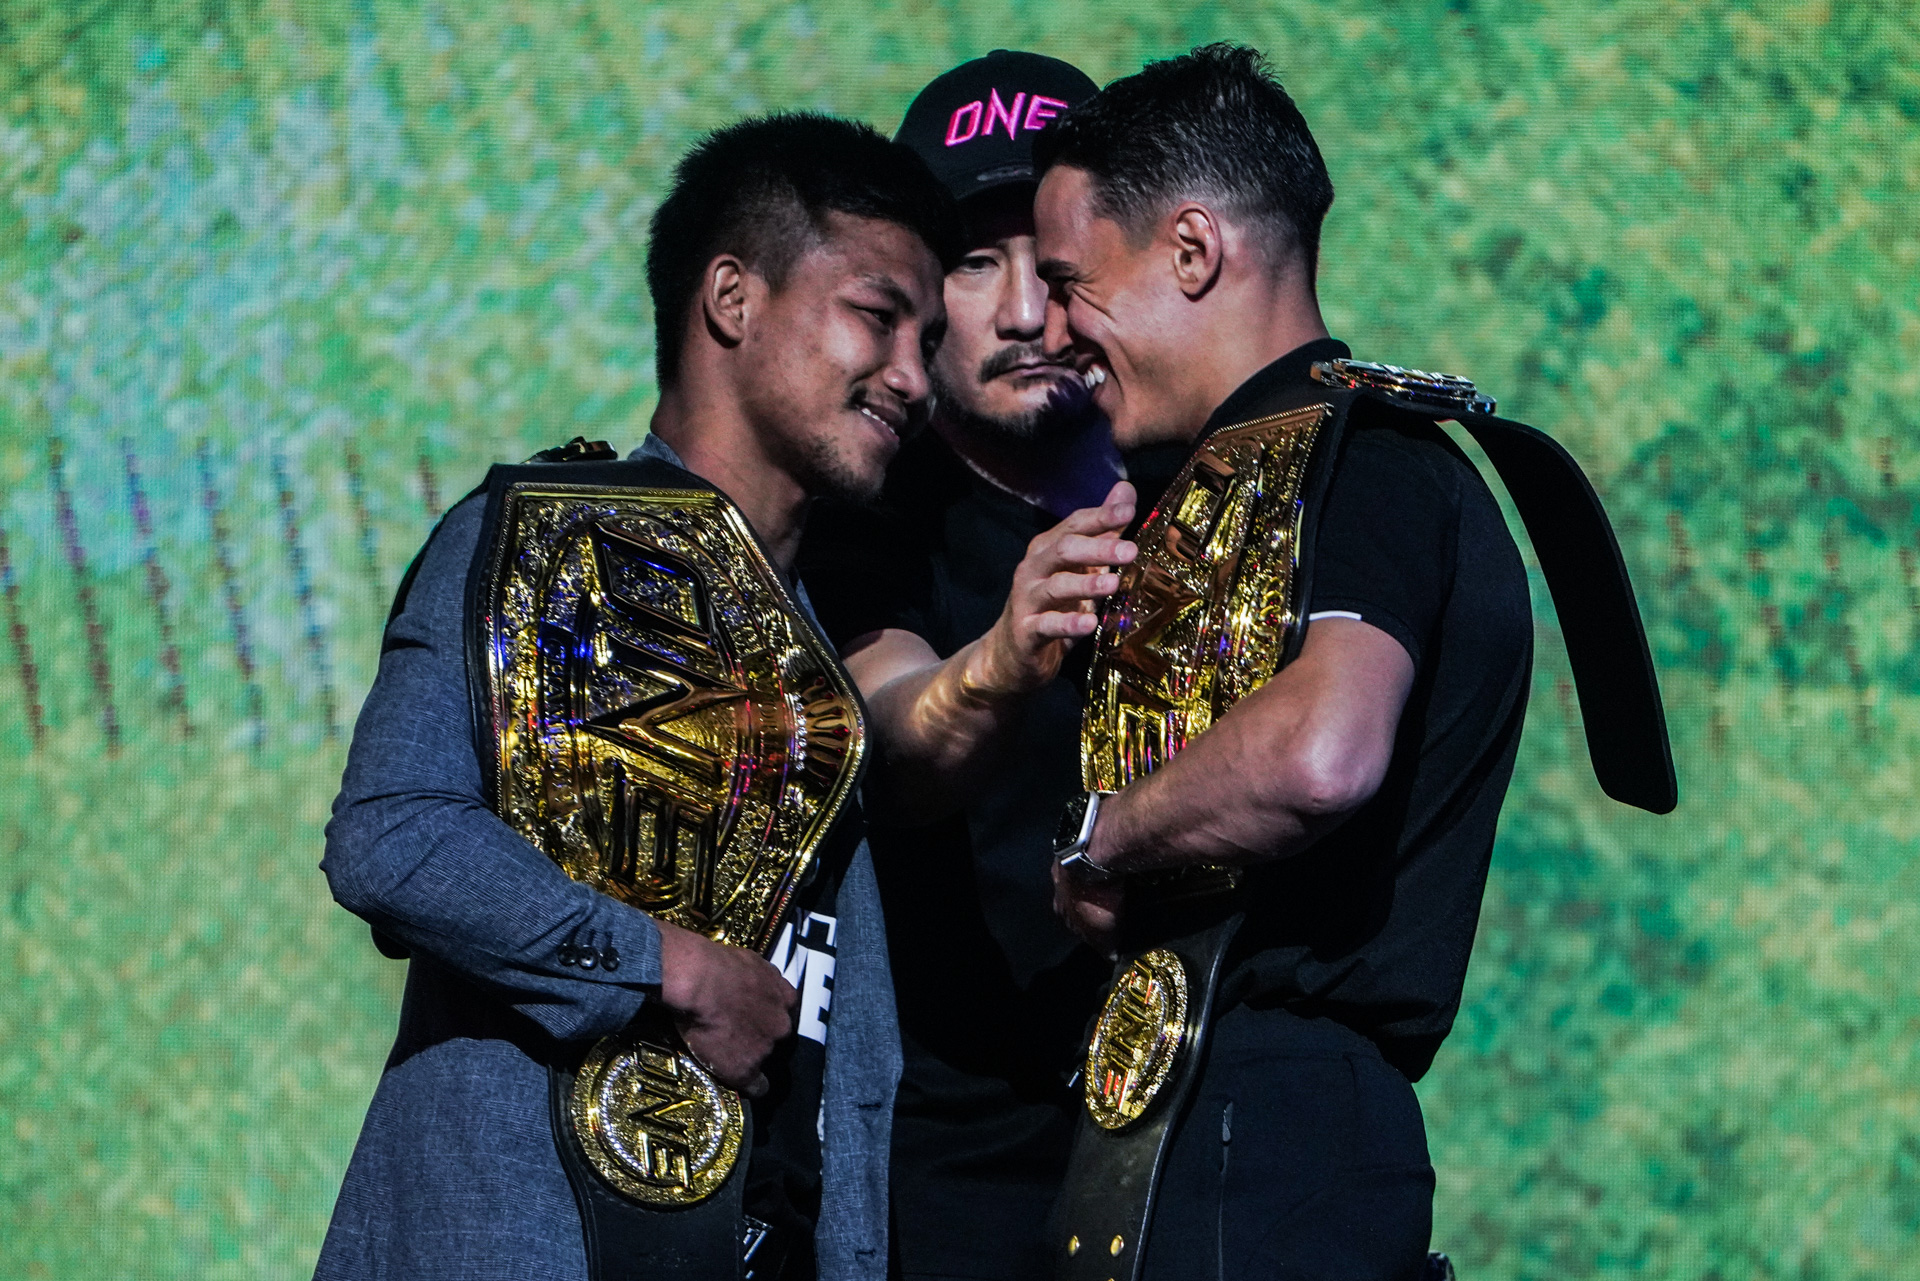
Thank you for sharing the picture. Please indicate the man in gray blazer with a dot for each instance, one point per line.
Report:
(796, 273)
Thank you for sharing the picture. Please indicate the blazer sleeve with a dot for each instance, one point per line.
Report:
(414, 850)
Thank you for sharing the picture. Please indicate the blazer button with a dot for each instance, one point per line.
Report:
(610, 958)
(588, 958)
(566, 953)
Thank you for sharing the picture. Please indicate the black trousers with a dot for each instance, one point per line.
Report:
(1303, 1155)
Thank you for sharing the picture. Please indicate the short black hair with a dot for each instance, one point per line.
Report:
(762, 189)
(1212, 124)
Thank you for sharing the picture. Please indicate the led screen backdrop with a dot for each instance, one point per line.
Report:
(279, 280)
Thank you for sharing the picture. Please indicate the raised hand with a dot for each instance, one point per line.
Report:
(731, 1005)
(1052, 600)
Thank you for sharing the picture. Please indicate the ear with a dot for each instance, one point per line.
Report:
(1199, 248)
(727, 299)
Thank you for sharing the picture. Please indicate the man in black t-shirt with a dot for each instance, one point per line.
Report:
(1357, 790)
(994, 992)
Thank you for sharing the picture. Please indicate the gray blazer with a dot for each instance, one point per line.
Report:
(456, 1175)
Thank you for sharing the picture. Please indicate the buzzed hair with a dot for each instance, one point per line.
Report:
(762, 189)
(1211, 125)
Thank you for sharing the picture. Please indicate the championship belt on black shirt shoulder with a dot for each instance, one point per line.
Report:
(673, 732)
(1208, 613)
(1205, 615)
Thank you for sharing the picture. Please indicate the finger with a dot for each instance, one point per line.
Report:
(1061, 625)
(1110, 515)
(789, 994)
(1084, 549)
(1070, 589)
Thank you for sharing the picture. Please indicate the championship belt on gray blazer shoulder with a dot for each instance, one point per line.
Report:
(672, 731)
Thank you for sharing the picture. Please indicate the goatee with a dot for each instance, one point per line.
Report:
(1066, 410)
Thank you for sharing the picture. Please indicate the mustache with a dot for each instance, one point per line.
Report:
(1025, 353)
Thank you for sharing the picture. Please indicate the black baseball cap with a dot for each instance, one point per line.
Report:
(975, 125)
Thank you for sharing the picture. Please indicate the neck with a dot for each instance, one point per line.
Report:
(1247, 338)
(1067, 466)
(715, 441)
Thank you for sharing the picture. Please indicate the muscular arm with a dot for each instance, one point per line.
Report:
(932, 727)
(1289, 762)
(937, 721)
(1286, 765)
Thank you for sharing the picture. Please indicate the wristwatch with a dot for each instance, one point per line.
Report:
(1073, 840)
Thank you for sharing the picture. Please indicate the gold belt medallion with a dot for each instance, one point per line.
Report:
(672, 732)
(1138, 1039)
(1202, 619)
(654, 1123)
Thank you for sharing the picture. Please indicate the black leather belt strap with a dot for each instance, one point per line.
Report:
(627, 1241)
(1606, 645)
(1098, 1229)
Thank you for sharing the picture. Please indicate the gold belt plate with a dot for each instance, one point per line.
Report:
(1138, 1039)
(1204, 613)
(671, 731)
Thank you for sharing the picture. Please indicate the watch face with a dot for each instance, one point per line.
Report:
(1071, 820)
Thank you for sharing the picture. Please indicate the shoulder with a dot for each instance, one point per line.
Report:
(617, 473)
(1435, 503)
(1403, 457)
(435, 583)
(441, 567)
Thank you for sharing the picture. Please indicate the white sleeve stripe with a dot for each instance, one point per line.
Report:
(1335, 613)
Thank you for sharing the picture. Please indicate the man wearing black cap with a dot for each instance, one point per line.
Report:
(994, 995)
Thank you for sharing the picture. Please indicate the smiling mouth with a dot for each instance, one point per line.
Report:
(892, 428)
(1094, 375)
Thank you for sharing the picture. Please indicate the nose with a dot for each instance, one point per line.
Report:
(906, 374)
(1021, 315)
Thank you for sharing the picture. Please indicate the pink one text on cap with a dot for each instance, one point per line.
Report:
(964, 125)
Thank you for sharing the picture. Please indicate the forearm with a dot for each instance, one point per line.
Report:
(937, 721)
(1217, 802)
(1284, 766)
(451, 882)
(937, 727)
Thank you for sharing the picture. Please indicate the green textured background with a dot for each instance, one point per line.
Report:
(307, 268)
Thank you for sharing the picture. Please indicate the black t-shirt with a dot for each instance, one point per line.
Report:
(994, 994)
(1372, 925)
